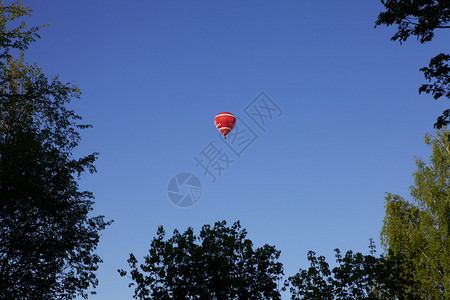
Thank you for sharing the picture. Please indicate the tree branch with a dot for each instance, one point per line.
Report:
(15, 95)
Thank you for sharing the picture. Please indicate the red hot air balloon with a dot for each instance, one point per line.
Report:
(225, 122)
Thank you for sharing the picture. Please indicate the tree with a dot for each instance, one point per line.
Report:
(420, 229)
(18, 37)
(357, 276)
(218, 264)
(438, 74)
(421, 18)
(47, 239)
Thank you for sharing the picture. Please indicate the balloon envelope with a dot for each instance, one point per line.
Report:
(225, 122)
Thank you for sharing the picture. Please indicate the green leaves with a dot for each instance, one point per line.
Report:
(18, 37)
(218, 264)
(420, 229)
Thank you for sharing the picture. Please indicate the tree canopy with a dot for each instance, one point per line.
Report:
(417, 18)
(47, 239)
(420, 18)
(356, 276)
(438, 74)
(420, 229)
(220, 263)
(16, 37)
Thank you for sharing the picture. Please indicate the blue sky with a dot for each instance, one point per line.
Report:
(155, 73)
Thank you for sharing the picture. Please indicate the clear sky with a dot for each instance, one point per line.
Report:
(155, 73)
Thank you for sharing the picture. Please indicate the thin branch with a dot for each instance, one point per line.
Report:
(15, 95)
(423, 253)
(440, 142)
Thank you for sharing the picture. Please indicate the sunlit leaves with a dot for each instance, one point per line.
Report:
(15, 37)
(420, 229)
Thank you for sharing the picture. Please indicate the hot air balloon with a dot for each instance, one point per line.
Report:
(225, 122)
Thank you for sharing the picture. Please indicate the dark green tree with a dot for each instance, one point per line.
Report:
(420, 229)
(47, 239)
(420, 18)
(218, 264)
(438, 74)
(356, 276)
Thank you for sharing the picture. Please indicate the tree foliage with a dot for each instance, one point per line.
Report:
(420, 18)
(415, 18)
(218, 264)
(47, 239)
(18, 37)
(438, 74)
(420, 229)
(356, 276)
